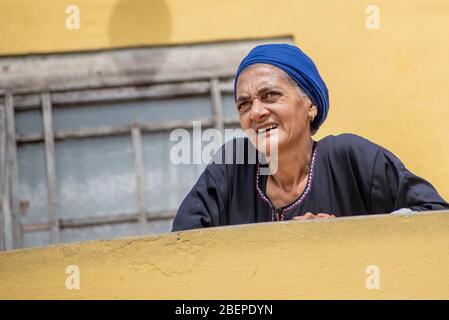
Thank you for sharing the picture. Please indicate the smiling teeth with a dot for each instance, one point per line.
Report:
(273, 126)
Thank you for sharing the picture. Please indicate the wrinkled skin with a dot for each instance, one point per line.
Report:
(266, 95)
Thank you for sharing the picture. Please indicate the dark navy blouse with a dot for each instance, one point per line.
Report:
(349, 175)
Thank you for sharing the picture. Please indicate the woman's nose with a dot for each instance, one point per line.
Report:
(258, 111)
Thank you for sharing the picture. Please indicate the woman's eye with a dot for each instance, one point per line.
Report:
(243, 106)
(272, 95)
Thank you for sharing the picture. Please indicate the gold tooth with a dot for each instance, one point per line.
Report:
(269, 127)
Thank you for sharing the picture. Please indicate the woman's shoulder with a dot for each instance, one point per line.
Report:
(236, 154)
(235, 151)
(348, 144)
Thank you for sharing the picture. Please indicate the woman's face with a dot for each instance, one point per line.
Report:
(267, 98)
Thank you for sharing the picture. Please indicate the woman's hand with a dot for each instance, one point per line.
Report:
(311, 216)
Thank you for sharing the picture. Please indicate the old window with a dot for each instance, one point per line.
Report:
(84, 139)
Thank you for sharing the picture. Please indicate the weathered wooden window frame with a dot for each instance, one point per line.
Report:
(133, 78)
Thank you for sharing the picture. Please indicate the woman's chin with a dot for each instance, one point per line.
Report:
(267, 145)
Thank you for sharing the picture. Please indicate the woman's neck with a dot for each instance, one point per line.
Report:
(293, 164)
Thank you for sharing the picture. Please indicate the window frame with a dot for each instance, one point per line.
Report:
(36, 82)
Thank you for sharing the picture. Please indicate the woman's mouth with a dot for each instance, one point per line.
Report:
(267, 129)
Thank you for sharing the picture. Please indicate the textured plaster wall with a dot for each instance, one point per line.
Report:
(291, 260)
(389, 85)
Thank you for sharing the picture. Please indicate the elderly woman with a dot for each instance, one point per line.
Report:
(282, 100)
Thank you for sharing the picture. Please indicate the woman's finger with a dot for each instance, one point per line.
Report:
(310, 216)
(307, 216)
(324, 216)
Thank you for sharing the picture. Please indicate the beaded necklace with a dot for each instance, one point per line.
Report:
(278, 214)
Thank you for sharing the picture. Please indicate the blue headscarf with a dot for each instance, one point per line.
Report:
(299, 66)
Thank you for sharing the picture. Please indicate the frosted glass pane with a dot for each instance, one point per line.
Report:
(36, 239)
(95, 176)
(29, 122)
(102, 232)
(32, 187)
(229, 108)
(166, 184)
(122, 114)
(114, 231)
(159, 226)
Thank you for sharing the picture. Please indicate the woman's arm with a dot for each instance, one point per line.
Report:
(204, 204)
(395, 187)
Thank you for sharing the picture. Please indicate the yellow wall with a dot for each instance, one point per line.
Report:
(389, 85)
(291, 260)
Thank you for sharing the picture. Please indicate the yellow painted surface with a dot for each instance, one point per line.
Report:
(389, 85)
(290, 260)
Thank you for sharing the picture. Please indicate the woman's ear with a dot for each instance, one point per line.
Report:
(312, 112)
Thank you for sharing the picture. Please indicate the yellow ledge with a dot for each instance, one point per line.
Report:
(370, 257)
